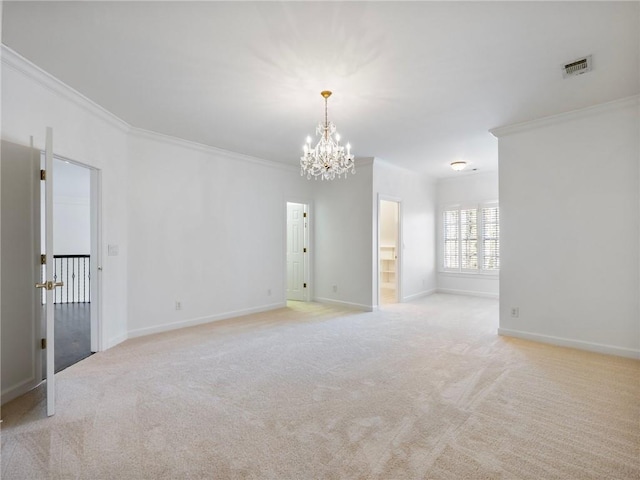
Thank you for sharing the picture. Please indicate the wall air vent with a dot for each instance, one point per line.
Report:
(577, 67)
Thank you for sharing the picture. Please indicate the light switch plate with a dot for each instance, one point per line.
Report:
(112, 250)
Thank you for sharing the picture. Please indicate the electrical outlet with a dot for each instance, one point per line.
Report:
(178, 305)
(269, 292)
(335, 288)
(515, 312)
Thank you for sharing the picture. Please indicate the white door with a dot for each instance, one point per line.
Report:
(296, 251)
(48, 283)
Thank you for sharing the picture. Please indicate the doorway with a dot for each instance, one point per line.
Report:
(388, 251)
(75, 224)
(297, 251)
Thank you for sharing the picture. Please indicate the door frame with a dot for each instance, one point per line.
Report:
(95, 219)
(400, 247)
(307, 264)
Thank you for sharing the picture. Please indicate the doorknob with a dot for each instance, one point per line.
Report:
(49, 285)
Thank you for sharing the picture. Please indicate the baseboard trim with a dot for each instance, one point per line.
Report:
(566, 342)
(339, 303)
(112, 342)
(18, 389)
(141, 332)
(418, 295)
(470, 293)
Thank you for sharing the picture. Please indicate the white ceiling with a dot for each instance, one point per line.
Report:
(418, 84)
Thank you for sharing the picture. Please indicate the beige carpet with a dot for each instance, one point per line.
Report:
(424, 390)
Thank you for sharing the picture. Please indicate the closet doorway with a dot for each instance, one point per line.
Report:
(388, 251)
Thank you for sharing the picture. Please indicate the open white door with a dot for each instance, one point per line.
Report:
(48, 284)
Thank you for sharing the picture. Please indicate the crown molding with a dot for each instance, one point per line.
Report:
(200, 147)
(18, 63)
(12, 59)
(565, 117)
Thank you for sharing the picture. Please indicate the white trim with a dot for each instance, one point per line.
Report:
(97, 325)
(484, 274)
(418, 295)
(340, 303)
(564, 117)
(567, 342)
(112, 342)
(470, 293)
(140, 332)
(18, 389)
(20, 64)
(200, 147)
(12, 59)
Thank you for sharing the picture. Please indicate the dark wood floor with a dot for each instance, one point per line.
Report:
(72, 333)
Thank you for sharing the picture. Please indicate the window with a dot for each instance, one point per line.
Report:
(471, 239)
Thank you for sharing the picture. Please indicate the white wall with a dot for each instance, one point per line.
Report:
(417, 196)
(83, 132)
(570, 210)
(19, 272)
(342, 245)
(388, 223)
(71, 209)
(466, 189)
(207, 229)
(72, 226)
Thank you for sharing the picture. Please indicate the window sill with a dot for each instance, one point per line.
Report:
(486, 275)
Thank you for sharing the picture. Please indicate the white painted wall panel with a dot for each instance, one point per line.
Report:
(418, 195)
(343, 238)
(569, 198)
(206, 229)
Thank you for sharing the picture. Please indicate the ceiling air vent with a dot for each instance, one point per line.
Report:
(577, 67)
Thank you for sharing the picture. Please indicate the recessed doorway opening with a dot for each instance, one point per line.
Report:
(75, 261)
(388, 251)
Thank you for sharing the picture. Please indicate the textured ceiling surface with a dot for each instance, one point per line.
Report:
(418, 84)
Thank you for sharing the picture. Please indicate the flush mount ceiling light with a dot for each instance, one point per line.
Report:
(457, 166)
(328, 158)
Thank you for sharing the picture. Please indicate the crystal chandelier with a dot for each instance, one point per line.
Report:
(328, 158)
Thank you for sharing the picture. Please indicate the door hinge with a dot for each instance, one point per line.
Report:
(304, 285)
(304, 250)
(43, 343)
(304, 214)
(43, 174)
(43, 259)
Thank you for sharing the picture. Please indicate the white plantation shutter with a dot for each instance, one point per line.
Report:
(451, 239)
(490, 238)
(471, 239)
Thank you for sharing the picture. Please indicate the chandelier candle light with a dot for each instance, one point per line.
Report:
(328, 158)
